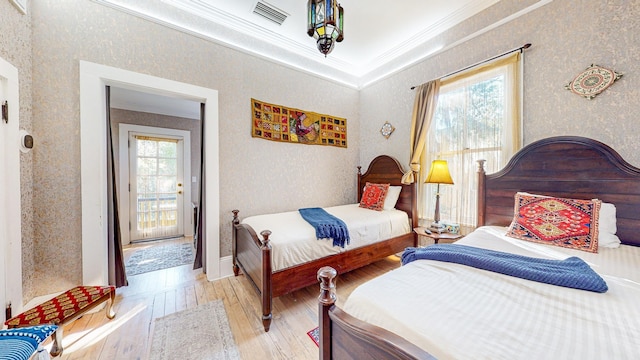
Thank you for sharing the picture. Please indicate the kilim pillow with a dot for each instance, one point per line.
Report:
(373, 196)
(606, 224)
(568, 223)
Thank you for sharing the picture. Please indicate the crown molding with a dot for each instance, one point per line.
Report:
(236, 33)
(429, 33)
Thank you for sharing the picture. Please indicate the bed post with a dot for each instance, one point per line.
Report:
(359, 192)
(266, 280)
(414, 210)
(481, 193)
(327, 298)
(234, 242)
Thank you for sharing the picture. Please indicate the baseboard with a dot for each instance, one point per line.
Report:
(226, 266)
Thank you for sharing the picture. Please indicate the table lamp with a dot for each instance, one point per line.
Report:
(438, 174)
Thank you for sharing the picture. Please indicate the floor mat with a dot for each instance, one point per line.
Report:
(159, 257)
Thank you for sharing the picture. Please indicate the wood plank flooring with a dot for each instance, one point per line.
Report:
(156, 294)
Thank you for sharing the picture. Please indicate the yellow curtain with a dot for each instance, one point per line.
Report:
(458, 202)
(513, 130)
(423, 109)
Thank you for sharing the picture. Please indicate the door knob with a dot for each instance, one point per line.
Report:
(179, 191)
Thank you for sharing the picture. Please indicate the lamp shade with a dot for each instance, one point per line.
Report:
(439, 173)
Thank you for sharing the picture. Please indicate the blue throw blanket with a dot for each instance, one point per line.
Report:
(326, 225)
(572, 272)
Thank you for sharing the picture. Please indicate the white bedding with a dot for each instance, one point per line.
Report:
(294, 242)
(459, 312)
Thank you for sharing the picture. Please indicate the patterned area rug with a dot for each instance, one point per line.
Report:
(201, 333)
(314, 334)
(159, 257)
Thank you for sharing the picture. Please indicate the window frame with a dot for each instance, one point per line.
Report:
(509, 65)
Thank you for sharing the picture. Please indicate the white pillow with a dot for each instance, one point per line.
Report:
(606, 225)
(392, 197)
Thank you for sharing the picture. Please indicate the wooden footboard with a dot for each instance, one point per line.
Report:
(253, 255)
(344, 337)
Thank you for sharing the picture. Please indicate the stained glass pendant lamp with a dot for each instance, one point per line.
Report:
(325, 22)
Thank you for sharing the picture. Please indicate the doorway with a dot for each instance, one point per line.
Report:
(155, 165)
(156, 191)
(157, 188)
(93, 79)
(10, 204)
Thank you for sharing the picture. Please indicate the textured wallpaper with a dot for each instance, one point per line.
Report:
(15, 47)
(255, 175)
(566, 37)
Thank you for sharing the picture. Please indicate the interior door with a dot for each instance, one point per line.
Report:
(156, 187)
(4, 244)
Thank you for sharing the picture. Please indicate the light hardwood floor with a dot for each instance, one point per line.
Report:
(156, 294)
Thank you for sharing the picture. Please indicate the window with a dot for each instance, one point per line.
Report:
(477, 117)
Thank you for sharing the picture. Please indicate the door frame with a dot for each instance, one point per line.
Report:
(93, 161)
(10, 194)
(123, 152)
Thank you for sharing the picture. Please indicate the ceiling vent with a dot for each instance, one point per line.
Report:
(270, 13)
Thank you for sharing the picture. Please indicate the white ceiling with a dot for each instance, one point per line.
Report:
(380, 37)
(376, 32)
(127, 99)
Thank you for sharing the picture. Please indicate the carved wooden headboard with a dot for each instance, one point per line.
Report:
(386, 170)
(564, 166)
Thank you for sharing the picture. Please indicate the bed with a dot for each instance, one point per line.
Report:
(463, 312)
(258, 257)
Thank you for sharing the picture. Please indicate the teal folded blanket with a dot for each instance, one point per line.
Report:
(572, 272)
(326, 225)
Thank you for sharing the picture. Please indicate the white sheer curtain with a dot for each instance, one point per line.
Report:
(477, 117)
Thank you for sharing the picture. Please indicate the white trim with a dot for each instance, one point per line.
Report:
(226, 266)
(123, 136)
(93, 160)
(20, 5)
(302, 64)
(458, 42)
(10, 202)
(307, 61)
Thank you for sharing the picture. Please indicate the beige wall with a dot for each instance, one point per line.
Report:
(566, 37)
(15, 47)
(255, 175)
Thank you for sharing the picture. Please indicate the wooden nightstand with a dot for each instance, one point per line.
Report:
(448, 237)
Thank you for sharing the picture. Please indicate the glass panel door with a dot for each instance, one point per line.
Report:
(156, 187)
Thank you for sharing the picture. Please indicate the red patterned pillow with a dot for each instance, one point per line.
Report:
(373, 196)
(568, 223)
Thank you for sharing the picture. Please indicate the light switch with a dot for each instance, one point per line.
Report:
(193, 179)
